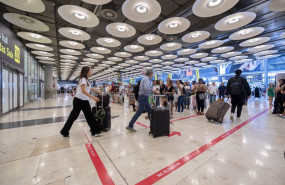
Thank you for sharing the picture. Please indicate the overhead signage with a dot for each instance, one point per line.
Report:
(11, 49)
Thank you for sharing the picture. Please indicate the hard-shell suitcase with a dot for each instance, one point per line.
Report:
(159, 122)
(217, 111)
(106, 121)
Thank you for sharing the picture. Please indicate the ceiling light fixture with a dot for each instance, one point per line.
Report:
(70, 50)
(233, 20)
(214, 3)
(149, 38)
(29, 21)
(72, 43)
(76, 33)
(173, 25)
(195, 35)
(80, 16)
(245, 32)
(121, 28)
(222, 48)
(109, 41)
(153, 51)
(141, 9)
(253, 40)
(101, 49)
(40, 46)
(210, 42)
(170, 45)
(134, 47)
(35, 35)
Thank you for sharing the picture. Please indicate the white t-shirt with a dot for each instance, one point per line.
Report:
(178, 90)
(79, 93)
(213, 89)
(156, 88)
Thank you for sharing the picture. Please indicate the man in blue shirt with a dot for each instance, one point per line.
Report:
(144, 92)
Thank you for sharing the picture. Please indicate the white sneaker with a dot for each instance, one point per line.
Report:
(232, 117)
(238, 120)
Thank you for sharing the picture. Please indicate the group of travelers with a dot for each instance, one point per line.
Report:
(178, 94)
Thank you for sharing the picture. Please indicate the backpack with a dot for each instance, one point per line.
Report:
(236, 87)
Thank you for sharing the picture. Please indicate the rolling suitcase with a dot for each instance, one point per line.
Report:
(106, 121)
(217, 111)
(159, 122)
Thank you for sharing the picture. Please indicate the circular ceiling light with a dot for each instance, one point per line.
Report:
(69, 57)
(45, 58)
(244, 60)
(43, 53)
(133, 48)
(268, 56)
(181, 60)
(93, 60)
(211, 44)
(34, 37)
(239, 57)
(267, 52)
(46, 62)
(277, 5)
(153, 53)
(115, 59)
(209, 8)
(100, 50)
(39, 47)
(121, 30)
(254, 41)
(195, 36)
(73, 33)
(170, 46)
(71, 44)
(123, 54)
(235, 21)
(95, 55)
(192, 62)
(246, 33)
(109, 62)
(97, 2)
(149, 39)
(199, 55)
(26, 22)
(222, 49)
(78, 16)
(155, 61)
(168, 57)
(217, 61)
(259, 48)
(68, 62)
(186, 51)
(145, 64)
(141, 10)
(33, 6)
(230, 54)
(174, 25)
(141, 58)
(70, 52)
(208, 59)
(108, 42)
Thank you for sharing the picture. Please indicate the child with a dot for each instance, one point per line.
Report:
(166, 104)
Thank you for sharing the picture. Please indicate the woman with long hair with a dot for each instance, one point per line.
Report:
(81, 102)
(169, 91)
(200, 90)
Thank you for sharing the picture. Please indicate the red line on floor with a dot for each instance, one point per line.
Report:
(98, 164)
(183, 118)
(142, 125)
(177, 164)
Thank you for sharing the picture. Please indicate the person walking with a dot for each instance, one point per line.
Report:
(213, 92)
(193, 97)
(187, 95)
(169, 92)
(237, 88)
(270, 93)
(144, 92)
(81, 102)
(278, 103)
(181, 95)
(200, 88)
(222, 91)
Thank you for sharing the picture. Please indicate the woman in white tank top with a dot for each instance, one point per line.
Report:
(81, 102)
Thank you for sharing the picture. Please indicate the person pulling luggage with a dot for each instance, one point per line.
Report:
(144, 92)
(237, 88)
(81, 102)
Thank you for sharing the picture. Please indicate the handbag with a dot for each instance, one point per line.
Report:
(202, 96)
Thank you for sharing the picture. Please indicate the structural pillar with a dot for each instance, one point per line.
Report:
(54, 85)
(48, 81)
(119, 77)
(266, 73)
(219, 74)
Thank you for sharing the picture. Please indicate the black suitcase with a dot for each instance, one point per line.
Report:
(104, 123)
(159, 122)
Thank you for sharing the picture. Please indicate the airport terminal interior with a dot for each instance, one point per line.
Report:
(125, 92)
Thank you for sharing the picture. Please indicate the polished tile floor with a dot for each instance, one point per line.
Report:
(33, 152)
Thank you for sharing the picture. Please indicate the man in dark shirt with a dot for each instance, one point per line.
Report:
(221, 91)
(238, 89)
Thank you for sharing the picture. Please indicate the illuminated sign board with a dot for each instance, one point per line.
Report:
(11, 49)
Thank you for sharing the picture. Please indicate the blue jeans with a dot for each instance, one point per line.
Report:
(180, 103)
(143, 103)
(212, 98)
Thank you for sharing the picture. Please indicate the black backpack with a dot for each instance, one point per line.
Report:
(236, 87)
